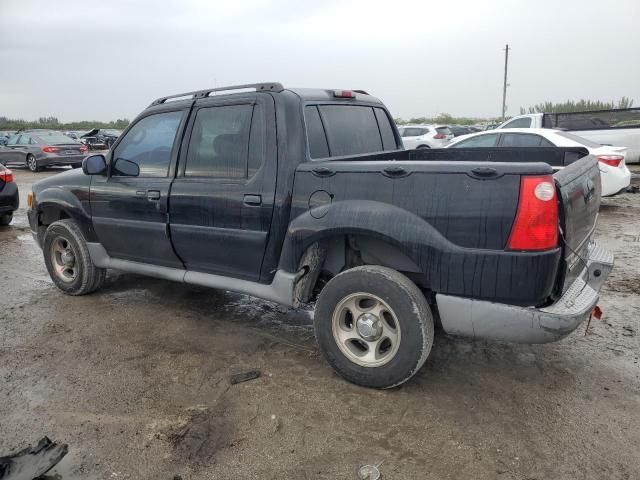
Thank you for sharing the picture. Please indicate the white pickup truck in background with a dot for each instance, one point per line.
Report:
(619, 128)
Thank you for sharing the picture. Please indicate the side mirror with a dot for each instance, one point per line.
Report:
(125, 168)
(94, 165)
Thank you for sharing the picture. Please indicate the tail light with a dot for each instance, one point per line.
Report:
(50, 149)
(84, 148)
(536, 223)
(439, 136)
(611, 160)
(6, 176)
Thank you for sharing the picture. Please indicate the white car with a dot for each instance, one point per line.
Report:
(425, 136)
(613, 171)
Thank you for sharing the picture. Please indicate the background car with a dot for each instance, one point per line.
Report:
(100, 138)
(425, 136)
(614, 173)
(458, 130)
(4, 136)
(41, 148)
(9, 199)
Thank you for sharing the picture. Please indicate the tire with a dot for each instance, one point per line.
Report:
(32, 163)
(423, 146)
(397, 326)
(6, 219)
(67, 259)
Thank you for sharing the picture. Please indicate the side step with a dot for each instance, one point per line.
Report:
(280, 290)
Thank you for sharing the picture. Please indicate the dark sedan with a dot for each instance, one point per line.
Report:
(38, 149)
(9, 199)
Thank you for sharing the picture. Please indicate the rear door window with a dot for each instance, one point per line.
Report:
(24, 140)
(219, 145)
(413, 131)
(523, 140)
(444, 130)
(480, 141)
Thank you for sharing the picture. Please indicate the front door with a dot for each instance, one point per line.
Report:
(222, 199)
(130, 206)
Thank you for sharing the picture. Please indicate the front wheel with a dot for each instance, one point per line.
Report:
(374, 326)
(68, 261)
(32, 163)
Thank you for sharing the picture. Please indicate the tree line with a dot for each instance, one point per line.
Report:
(53, 123)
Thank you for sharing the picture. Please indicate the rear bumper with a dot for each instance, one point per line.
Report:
(496, 321)
(61, 160)
(9, 198)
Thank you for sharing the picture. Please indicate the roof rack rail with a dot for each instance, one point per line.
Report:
(360, 91)
(260, 87)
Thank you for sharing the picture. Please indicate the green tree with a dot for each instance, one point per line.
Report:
(581, 105)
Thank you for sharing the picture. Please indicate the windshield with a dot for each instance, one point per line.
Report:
(580, 140)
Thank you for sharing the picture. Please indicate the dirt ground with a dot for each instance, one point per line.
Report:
(135, 378)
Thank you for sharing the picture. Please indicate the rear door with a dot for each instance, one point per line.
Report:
(130, 206)
(222, 199)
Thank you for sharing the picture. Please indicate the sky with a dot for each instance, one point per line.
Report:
(103, 60)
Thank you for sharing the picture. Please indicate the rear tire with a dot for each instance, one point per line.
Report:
(68, 261)
(373, 326)
(6, 219)
(32, 163)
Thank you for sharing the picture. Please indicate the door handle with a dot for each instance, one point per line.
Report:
(253, 200)
(153, 194)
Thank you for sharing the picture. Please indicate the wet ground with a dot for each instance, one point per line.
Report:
(135, 378)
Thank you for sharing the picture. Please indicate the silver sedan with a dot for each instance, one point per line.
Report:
(38, 149)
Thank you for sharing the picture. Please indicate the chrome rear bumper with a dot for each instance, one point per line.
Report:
(498, 321)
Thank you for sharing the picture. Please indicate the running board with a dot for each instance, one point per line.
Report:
(280, 290)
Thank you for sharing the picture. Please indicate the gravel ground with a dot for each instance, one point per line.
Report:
(135, 378)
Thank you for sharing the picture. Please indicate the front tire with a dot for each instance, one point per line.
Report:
(68, 261)
(32, 163)
(6, 219)
(373, 326)
(422, 147)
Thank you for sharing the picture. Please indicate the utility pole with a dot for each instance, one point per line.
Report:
(505, 85)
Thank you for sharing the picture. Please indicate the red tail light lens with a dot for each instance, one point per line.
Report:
(536, 223)
(6, 176)
(439, 136)
(50, 149)
(611, 160)
(84, 148)
(344, 94)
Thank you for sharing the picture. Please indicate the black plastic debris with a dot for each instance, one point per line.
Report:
(244, 377)
(32, 462)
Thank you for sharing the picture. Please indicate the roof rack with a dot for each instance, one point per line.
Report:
(260, 87)
(360, 91)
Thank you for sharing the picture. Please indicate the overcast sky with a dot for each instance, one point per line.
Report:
(102, 60)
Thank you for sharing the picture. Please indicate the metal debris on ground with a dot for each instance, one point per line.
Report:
(369, 472)
(32, 462)
(245, 376)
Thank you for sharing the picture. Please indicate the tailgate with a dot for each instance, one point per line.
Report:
(579, 191)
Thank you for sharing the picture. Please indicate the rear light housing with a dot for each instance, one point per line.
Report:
(84, 148)
(50, 149)
(344, 94)
(536, 224)
(6, 176)
(611, 160)
(439, 136)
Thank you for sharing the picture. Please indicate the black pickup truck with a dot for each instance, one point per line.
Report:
(295, 195)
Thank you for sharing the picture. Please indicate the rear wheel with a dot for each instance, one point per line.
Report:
(6, 219)
(374, 326)
(32, 163)
(68, 261)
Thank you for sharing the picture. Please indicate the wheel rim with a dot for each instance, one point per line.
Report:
(31, 163)
(63, 260)
(366, 329)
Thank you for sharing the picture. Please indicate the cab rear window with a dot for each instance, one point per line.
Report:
(337, 130)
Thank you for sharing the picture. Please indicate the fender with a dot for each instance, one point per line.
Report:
(446, 267)
(69, 193)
